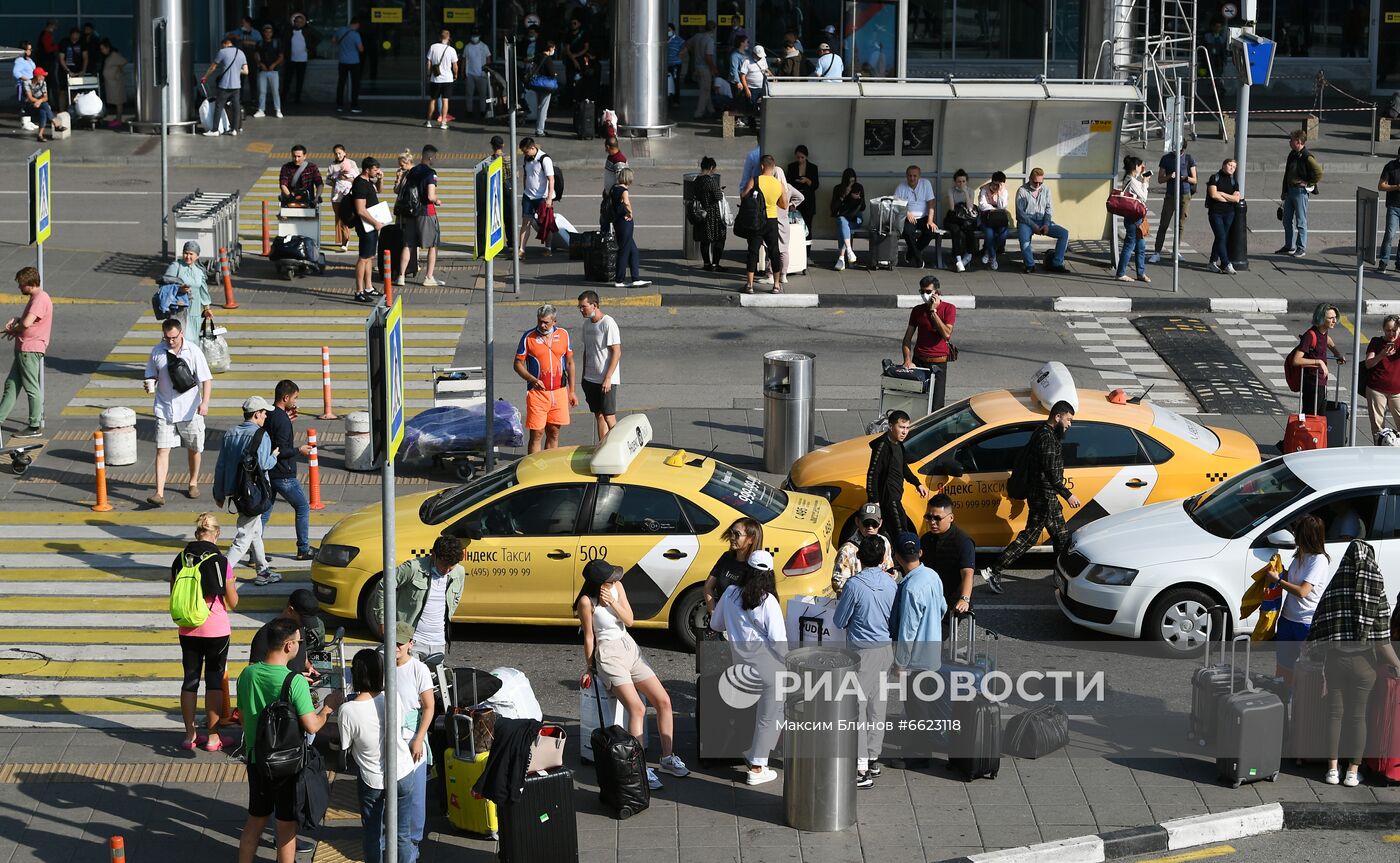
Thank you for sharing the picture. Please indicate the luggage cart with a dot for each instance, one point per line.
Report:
(304, 221)
(459, 387)
(328, 659)
(77, 86)
(211, 220)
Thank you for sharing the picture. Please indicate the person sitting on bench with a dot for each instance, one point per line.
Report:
(919, 227)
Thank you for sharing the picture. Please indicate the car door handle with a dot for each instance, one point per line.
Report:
(675, 554)
(558, 554)
(1135, 483)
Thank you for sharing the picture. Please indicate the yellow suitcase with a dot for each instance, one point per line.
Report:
(465, 811)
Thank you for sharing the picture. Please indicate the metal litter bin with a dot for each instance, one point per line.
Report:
(789, 408)
(820, 741)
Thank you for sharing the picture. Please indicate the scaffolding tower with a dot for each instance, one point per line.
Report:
(1154, 41)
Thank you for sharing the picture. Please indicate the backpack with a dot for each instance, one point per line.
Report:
(696, 214)
(1018, 485)
(280, 748)
(753, 211)
(410, 201)
(252, 490)
(1293, 375)
(187, 606)
(558, 182)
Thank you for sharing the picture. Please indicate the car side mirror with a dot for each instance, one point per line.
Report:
(946, 466)
(1281, 539)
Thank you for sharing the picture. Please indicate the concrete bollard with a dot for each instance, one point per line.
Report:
(118, 426)
(358, 453)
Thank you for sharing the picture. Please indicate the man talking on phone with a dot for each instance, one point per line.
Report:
(926, 342)
(283, 475)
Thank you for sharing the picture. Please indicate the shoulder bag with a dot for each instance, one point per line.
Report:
(182, 377)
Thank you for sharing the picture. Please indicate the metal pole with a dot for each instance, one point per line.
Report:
(1355, 352)
(517, 252)
(1242, 136)
(490, 364)
(165, 174)
(1180, 121)
(38, 265)
(391, 705)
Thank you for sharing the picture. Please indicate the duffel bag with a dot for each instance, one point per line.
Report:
(1037, 732)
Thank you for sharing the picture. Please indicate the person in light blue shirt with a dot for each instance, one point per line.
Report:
(228, 69)
(737, 58)
(864, 612)
(674, 44)
(750, 167)
(349, 49)
(235, 443)
(917, 624)
(194, 285)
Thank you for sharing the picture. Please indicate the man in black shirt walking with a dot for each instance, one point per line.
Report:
(887, 474)
(284, 474)
(1390, 184)
(950, 552)
(1044, 469)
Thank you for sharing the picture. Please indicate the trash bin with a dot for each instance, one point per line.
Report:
(690, 249)
(789, 408)
(820, 741)
(1239, 238)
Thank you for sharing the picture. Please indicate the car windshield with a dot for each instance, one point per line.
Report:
(938, 429)
(1192, 432)
(745, 492)
(449, 503)
(1239, 505)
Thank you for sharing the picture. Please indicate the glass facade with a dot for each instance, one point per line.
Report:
(944, 31)
(1317, 28)
(114, 19)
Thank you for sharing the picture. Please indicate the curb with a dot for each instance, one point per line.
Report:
(1027, 303)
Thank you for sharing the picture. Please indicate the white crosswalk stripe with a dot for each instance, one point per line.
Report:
(1122, 358)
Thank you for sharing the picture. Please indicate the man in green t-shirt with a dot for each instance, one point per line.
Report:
(259, 685)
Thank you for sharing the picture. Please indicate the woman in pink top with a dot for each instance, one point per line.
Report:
(204, 648)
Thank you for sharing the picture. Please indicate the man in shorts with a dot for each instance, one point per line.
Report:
(364, 195)
(602, 354)
(422, 231)
(545, 361)
(442, 74)
(179, 412)
(259, 685)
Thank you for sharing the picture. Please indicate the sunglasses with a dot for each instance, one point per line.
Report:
(937, 519)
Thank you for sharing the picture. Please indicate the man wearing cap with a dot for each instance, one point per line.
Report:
(864, 611)
(302, 607)
(235, 444)
(428, 590)
(917, 624)
(950, 552)
(828, 66)
(847, 557)
(888, 472)
(413, 687)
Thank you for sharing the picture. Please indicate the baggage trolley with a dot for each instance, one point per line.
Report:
(211, 220)
(77, 86)
(461, 387)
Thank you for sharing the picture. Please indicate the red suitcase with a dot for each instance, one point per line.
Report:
(1305, 431)
(1383, 729)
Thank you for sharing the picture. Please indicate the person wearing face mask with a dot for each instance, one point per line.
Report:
(544, 359)
(478, 56)
(1045, 485)
(926, 340)
(1033, 209)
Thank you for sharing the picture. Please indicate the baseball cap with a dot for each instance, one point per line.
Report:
(403, 632)
(304, 602)
(255, 403)
(830, 28)
(869, 512)
(908, 544)
(601, 572)
(759, 52)
(761, 560)
(40, 72)
(825, 46)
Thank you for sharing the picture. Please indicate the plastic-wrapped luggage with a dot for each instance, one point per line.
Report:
(438, 431)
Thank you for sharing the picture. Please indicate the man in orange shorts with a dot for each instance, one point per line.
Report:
(545, 361)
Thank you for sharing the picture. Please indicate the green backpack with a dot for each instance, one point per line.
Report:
(187, 605)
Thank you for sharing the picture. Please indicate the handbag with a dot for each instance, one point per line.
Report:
(182, 378)
(547, 752)
(215, 348)
(997, 220)
(952, 352)
(1120, 203)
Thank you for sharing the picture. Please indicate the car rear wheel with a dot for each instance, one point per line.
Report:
(1180, 621)
(689, 617)
(367, 619)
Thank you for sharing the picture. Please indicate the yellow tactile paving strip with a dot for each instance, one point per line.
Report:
(191, 772)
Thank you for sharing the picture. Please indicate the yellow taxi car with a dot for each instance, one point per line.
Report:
(529, 527)
(1117, 457)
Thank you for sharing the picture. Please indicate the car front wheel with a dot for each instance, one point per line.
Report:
(366, 618)
(1180, 621)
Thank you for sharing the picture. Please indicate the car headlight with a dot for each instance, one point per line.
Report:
(336, 555)
(1111, 575)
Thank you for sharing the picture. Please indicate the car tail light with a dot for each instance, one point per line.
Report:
(805, 561)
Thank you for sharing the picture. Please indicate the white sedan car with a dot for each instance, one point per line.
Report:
(1154, 572)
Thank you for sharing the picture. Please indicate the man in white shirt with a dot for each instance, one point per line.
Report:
(538, 193)
(702, 59)
(179, 413)
(478, 84)
(828, 66)
(298, 54)
(442, 74)
(602, 355)
(919, 226)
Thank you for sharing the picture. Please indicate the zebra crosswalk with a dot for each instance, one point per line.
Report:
(1123, 358)
(267, 348)
(85, 632)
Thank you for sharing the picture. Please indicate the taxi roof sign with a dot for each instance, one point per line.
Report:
(614, 455)
(1053, 383)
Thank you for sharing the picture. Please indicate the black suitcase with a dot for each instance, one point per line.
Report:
(722, 733)
(884, 251)
(1249, 730)
(1037, 732)
(600, 262)
(585, 120)
(976, 744)
(542, 824)
(581, 244)
(391, 238)
(621, 765)
(1209, 685)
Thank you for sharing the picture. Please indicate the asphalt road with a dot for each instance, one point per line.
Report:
(1293, 846)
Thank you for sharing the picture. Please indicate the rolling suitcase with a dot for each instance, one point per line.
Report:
(885, 222)
(976, 744)
(1338, 414)
(581, 244)
(600, 261)
(1307, 720)
(1249, 729)
(1305, 431)
(542, 824)
(585, 120)
(1209, 684)
(1383, 729)
(621, 766)
(464, 764)
(884, 251)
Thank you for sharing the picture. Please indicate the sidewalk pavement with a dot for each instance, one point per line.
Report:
(64, 793)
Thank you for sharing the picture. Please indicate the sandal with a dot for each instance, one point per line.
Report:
(747, 289)
(193, 493)
(214, 744)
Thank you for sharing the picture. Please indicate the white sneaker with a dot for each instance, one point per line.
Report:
(840, 264)
(619, 284)
(993, 264)
(259, 113)
(783, 280)
(1352, 779)
(761, 776)
(654, 781)
(850, 256)
(211, 134)
(984, 260)
(966, 259)
(1154, 258)
(958, 265)
(640, 283)
(234, 133)
(443, 126)
(429, 124)
(1332, 777)
(431, 282)
(1215, 267)
(673, 765)
(1230, 268)
(399, 281)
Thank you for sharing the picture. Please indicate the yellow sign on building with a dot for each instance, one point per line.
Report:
(458, 15)
(386, 15)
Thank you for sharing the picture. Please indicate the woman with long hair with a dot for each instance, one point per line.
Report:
(1310, 357)
(204, 648)
(609, 651)
(1302, 583)
(848, 209)
(361, 721)
(745, 537)
(751, 617)
(1134, 183)
(342, 173)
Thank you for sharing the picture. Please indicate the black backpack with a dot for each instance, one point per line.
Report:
(280, 749)
(558, 182)
(182, 377)
(252, 490)
(753, 211)
(1018, 485)
(410, 201)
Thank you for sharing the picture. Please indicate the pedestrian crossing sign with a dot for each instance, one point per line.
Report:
(40, 185)
(393, 362)
(490, 208)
